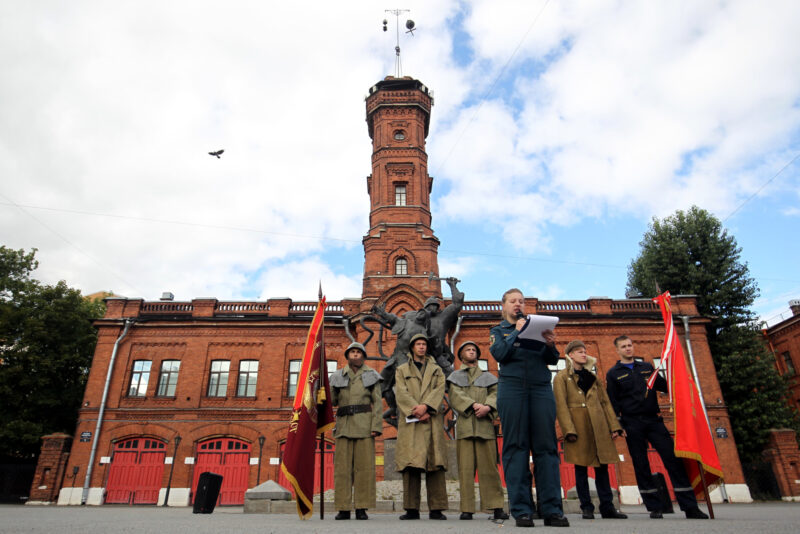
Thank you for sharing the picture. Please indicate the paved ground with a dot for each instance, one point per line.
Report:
(770, 518)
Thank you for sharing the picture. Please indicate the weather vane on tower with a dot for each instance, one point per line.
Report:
(410, 27)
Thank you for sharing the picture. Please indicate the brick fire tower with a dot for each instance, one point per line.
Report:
(400, 249)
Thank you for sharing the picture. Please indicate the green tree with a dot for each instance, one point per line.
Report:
(46, 346)
(690, 253)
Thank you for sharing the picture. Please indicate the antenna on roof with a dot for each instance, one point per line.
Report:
(410, 27)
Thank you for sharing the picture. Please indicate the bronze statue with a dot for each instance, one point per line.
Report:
(429, 321)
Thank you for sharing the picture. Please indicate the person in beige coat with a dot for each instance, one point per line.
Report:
(589, 427)
(356, 391)
(473, 396)
(420, 448)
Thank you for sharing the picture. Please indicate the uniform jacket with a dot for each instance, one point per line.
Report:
(421, 444)
(589, 416)
(526, 361)
(627, 389)
(469, 385)
(360, 387)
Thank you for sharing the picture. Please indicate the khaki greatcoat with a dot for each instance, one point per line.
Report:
(589, 416)
(420, 445)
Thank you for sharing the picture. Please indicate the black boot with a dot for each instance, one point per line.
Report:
(499, 513)
(695, 513)
(587, 513)
(436, 514)
(612, 514)
(556, 521)
(361, 513)
(343, 514)
(410, 514)
(465, 515)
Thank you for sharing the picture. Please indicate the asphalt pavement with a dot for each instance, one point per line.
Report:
(763, 518)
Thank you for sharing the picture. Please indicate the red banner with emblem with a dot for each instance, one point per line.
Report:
(693, 440)
(312, 414)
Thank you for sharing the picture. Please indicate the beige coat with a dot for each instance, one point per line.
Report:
(589, 416)
(420, 445)
(357, 388)
(469, 385)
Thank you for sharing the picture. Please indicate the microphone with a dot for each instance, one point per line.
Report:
(520, 315)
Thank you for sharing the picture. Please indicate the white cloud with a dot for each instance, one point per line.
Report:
(300, 281)
(642, 109)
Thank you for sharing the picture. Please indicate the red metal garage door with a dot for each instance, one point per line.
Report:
(227, 457)
(136, 470)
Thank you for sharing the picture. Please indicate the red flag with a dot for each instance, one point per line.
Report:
(693, 440)
(312, 414)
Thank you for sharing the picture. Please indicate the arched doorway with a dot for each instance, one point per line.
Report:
(229, 457)
(135, 472)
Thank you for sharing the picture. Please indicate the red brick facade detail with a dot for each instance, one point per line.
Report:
(783, 454)
(783, 340)
(50, 469)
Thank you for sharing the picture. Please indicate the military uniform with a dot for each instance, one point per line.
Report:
(588, 415)
(476, 444)
(627, 390)
(528, 417)
(420, 445)
(357, 394)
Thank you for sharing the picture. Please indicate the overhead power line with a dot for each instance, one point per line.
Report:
(751, 197)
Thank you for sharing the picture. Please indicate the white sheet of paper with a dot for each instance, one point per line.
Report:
(537, 324)
(412, 419)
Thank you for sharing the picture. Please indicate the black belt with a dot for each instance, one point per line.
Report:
(353, 409)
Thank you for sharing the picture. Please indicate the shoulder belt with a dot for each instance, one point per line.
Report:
(370, 377)
(459, 378)
(485, 380)
(338, 379)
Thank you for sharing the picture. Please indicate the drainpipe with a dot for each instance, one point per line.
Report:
(95, 440)
(685, 319)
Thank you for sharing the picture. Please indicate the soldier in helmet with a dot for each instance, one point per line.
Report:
(420, 385)
(473, 395)
(356, 391)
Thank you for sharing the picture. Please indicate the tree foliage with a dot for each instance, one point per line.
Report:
(690, 253)
(46, 346)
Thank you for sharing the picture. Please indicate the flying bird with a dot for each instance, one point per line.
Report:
(217, 153)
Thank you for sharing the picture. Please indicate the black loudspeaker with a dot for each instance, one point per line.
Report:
(663, 493)
(208, 486)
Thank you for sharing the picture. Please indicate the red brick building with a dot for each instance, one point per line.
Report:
(208, 384)
(783, 340)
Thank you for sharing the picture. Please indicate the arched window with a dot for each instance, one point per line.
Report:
(401, 266)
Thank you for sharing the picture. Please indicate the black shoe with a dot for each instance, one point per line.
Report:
(524, 521)
(343, 514)
(695, 513)
(656, 514)
(587, 513)
(410, 514)
(556, 521)
(361, 513)
(499, 513)
(613, 514)
(465, 516)
(436, 514)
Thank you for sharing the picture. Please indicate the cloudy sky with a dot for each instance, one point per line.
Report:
(559, 130)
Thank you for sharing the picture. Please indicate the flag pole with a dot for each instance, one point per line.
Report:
(322, 434)
(685, 319)
(705, 489)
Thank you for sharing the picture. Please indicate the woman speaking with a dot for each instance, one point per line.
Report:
(527, 415)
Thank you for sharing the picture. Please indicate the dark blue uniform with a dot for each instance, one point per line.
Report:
(627, 390)
(528, 414)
